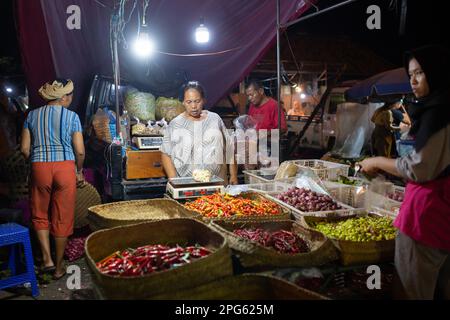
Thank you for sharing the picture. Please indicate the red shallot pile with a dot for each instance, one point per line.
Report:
(306, 200)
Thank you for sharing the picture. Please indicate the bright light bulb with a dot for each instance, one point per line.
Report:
(202, 34)
(302, 96)
(298, 89)
(9, 90)
(144, 45)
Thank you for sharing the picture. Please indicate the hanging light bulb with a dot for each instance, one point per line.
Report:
(298, 89)
(202, 33)
(144, 46)
(302, 96)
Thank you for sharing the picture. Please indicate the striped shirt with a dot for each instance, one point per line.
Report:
(51, 129)
(197, 145)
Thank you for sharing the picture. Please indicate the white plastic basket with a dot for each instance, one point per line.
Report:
(353, 196)
(258, 176)
(383, 203)
(274, 187)
(330, 171)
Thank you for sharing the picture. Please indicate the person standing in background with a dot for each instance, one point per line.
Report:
(52, 139)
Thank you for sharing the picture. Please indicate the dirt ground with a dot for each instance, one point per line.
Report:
(50, 289)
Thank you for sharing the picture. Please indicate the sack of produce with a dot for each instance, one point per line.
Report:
(140, 104)
(143, 260)
(168, 108)
(361, 238)
(287, 169)
(269, 244)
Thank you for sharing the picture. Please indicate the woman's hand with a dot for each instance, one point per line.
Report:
(369, 165)
(81, 183)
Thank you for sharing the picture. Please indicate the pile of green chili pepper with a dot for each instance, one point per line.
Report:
(148, 259)
(225, 205)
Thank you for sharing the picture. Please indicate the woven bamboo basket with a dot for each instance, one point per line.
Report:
(101, 128)
(135, 211)
(256, 256)
(283, 213)
(355, 252)
(102, 243)
(86, 198)
(245, 287)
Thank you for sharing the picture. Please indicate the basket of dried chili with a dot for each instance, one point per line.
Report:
(243, 207)
(273, 244)
(135, 211)
(245, 287)
(206, 257)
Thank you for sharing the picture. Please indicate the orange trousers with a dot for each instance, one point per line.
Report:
(53, 195)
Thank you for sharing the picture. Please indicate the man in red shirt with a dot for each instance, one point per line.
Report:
(264, 109)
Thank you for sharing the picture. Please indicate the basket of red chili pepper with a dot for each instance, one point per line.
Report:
(146, 259)
(274, 244)
(245, 206)
(122, 213)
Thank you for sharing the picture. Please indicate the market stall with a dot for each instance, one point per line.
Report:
(311, 223)
(318, 229)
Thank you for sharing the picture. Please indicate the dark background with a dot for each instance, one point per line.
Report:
(425, 23)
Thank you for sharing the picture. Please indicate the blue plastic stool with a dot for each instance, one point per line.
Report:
(12, 234)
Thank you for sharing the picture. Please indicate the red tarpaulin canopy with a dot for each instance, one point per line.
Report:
(246, 28)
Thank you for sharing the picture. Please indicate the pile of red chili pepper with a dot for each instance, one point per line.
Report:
(282, 241)
(225, 205)
(149, 259)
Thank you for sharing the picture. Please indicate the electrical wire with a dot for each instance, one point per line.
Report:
(199, 54)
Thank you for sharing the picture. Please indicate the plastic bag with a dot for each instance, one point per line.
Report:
(377, 192)
(244, 122)
(168, 108)
(308, 179)
(140, 104)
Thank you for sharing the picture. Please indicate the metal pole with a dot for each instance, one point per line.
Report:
(318, 12)
(279, 72)
(116, 83)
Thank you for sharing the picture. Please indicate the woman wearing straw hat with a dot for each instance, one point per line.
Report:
(52, 138)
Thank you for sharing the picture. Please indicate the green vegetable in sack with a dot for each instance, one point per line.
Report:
(140, 105)
(168, 108)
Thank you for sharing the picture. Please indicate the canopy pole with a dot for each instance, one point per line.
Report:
(116, 83)
(287, 25)
(278, 75)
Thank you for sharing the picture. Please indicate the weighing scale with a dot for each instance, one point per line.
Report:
(149, 142)
(187, 187)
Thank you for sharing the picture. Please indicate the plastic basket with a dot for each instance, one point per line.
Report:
(273, 187)
(259, 176)
(353, 196)
(331, 170)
